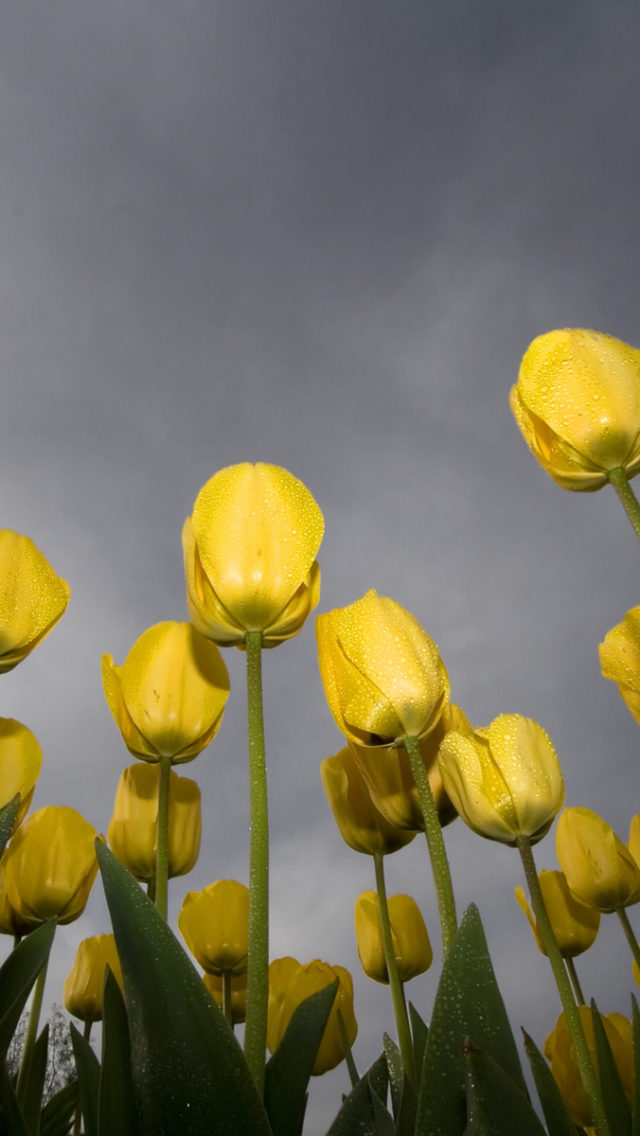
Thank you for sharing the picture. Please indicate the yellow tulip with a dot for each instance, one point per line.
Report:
(361, 825)
(620, 659)
(598, 867)
(20, 764)
(133, 829)
(50, 865)
(214, 924)
(559, 1050)
(250, 555)
(411, 946)
(213, 983)
(290, 983)
(168, 697)
(575, 924)
(504, 781)
(633, 843)
(11, 922)
(32, 598)
(84, 985)
(577, 403)
(383, 676)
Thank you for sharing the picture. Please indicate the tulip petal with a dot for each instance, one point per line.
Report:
(32, 599)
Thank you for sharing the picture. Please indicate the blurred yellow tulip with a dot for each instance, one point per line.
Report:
(361, 825)
(574, 924)
(620, 659)
(559, 1050)
(577, 404)
(133, 829)
(168, 697)
(50, 865)
(633, 843)
(32, 598)
(383, 676)
(290, 983)
(214, 924)
(84, 984)
(505, 781)
(411, 945)
(238, 984)
(598, 867)
(250, 555)
(20, 764)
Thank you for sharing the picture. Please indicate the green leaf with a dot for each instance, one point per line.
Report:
(288, 1071)
(403, 1094)
(10, 1111)
(56, 1114)
(556, 1114)
(88, 1068)
(17, 976)
(420, 1033)
(495, 1104)
(188, 1069)
(35, 1083)
(117, 1108)
(635, 1017)
(613, 1095)
(8, 815)
(468, 1005)
(357, 1114)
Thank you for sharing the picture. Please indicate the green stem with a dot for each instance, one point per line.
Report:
(630, 503)
(395, 985)
(31, 1035)
(435, 843)
(569, 1005)
(226, 996)
(348, 1055)
(162, 845)
(629, 935)
(575, 981)
(255, 1032)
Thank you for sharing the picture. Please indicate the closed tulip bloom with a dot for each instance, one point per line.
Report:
(11, 922)
(84, 984)
(620, 659)
(214, 924)
(290, 983)
(633, 843)
(598, 867)
(577, 404)
(32, 598)
(250, 551)
(50, 865)
(559, 1050)
(133, 829)
(361, 825)
(168, 697)
(383, 676)
(411, 946)
(20, 764)
(504, 781)
(213, 983)
(575, 924)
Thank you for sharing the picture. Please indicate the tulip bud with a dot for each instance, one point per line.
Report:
(250, 555)
(383, 676)
(214, 924)
(168, 697)
(411, 946)
(559, 1050)
(574, 924)
(289, 985)
(20, 764)
(84, 984)
(598, 867)
(238, 982)
(361, 825)
(32, 598)
(50, 865)
(577, 404)
(620, 659)
(504, 781)
(133, 829)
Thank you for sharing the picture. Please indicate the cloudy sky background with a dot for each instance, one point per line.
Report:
(321, 235)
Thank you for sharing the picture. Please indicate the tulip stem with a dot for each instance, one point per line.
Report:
(575, 981)
(395, 985)
(255, 1032)
(226, 996)
(629, 935)
(572, 1017)
(31, 1034)
(630, 503)
(162, 846)
(435, 844)
(348, 1055)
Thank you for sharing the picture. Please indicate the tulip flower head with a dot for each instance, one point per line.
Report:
(250, 551)
(574, 924)
(559, 1050)
(84, 984)
(20, 764)
(214, 924)
(133, 829)
(361, 825)
(577, 404)
(32, 598)
(290, 983)
(411, 945)
(620, 659)
(50, 865)
(504, 781)
(598, 867)
(633, 844)
(168, 697)
(383, 676)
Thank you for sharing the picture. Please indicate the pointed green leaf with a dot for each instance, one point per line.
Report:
(17, 976)
(495, 1105)
(56, 1115)
(635, 1017)
(289, 1069)
(8, 815)
(117, 1108)
(188, 1069)
(10, 1111)
(403, 1093)
(556, 1114)
(420, 1033)
(468, 1005)
(613, 1095)
(35, 1083)
(357, 1113)
(88, 1068)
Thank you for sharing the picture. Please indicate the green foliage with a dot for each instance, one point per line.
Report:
(287, 1073)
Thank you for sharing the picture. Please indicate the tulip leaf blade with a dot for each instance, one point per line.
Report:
(88, 1068)
(10, 1110)
(613, 1095)
(34, 1083)
(175, 1026)
(288, 1071)
(556, 1114)
(359, 1113)
(17, 976)
(117, 1107)
(635, 1019)
(8, 815)
(56, 1114)
(496, 1106)
(419, 1033)
(403, 1094)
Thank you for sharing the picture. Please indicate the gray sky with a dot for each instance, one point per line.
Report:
(321, 235)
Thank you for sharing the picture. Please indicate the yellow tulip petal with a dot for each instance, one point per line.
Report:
(50, 866)
(620, 659)
(32, 599)
(599, 869)
(20, 763)
(214, 923)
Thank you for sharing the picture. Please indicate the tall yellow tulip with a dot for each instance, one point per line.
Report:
(361, 825)
(620, 659)
(20, 764)
(32, 598)
(577, 404)
(574, 924)
(214, 923)
(290, 983)
(133, 829)
(598, 867)
(250, 551)
(84, 985)
(411, 945)
(50, 865)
